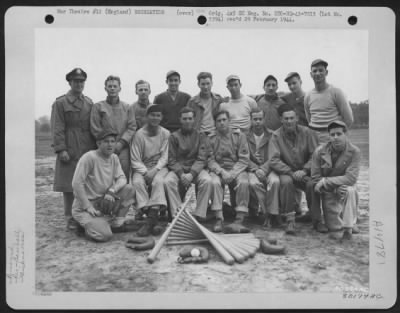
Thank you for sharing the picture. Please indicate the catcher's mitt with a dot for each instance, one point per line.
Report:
(193, 255)
(140, 243)
(108, 207)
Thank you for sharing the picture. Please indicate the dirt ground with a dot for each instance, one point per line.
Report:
(313, 262)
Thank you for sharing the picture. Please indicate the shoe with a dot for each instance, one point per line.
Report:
(335, 235)
(347, 234)
(72, 224)
(267, 222)
(277, 221)
(152, 220)
(355, 229)
(305, 218)
(268, 248)
(204, 219)
(321, 228)
(218, 226)
(290, 229)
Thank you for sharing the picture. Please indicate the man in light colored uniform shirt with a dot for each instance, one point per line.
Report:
(325, 103)
(149, 156)
(239, 105)
(118, 115)
(98, 177)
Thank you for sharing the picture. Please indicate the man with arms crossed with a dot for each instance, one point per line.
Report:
(187, 158)
(149, 156)
(118, 115)
(325, 103)
(239, 105)
(172, 101)
(335, 168)
(206, 104)
(143, 91)
(290, 150)
(264, 183)
(296, 96)
(102, 195)
(228, 161)
(270, 102)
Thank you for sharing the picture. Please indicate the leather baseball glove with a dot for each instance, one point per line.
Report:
(193, 255)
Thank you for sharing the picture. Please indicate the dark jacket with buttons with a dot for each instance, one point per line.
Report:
(262, 162)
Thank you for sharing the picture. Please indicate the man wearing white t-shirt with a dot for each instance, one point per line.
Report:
(239, 105)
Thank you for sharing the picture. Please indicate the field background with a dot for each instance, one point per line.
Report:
(313, 262)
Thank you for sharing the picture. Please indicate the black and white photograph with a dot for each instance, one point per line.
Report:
(195, 158)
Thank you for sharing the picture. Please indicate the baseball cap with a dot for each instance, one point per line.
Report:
(154, 108)
(337, 123)
(170, 73)
(105, 133)
(290, 75)
(319, 61)
(231, 77)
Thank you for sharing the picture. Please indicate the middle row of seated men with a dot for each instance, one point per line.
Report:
(261, 168)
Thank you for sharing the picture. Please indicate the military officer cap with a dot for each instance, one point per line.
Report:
(319, 61)
(154, 108)
(232, 77)
(105, 133)
(170, 73)
(76, 73)
(336, 124)
(290, 75)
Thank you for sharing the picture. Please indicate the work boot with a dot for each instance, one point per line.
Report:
(152, 219)
(335, 234)
(218, 226)
(304, 218)
(290, 227)
(269, 248)
(319, 227)
(267, 221)
(355, 230)
(277, 221)
(347, 234)
(237, 226)
(72, 224)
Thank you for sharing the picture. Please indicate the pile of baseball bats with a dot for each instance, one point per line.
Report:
(185, 229)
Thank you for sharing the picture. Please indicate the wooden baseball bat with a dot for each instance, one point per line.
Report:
(153, 254)
(253, 244)
(190, 228)
(185, 230)
(186, 242)
(250, 250)
(238, 255)
(228, 259)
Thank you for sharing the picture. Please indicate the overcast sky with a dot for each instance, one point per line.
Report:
(136, 53)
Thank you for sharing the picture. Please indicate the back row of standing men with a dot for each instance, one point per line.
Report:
(262, 147)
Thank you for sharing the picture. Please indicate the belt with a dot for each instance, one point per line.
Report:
(318, 129)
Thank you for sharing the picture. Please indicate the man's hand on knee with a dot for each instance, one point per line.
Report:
(92, 211)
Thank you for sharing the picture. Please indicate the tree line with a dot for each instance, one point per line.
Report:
(360, 112)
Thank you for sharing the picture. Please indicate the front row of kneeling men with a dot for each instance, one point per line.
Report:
(262, 169)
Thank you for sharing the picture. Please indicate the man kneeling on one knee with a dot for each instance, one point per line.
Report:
(187, 157)
(102, 195)
(228, 161)
(264, 184)
(290, 150)
(335, 168)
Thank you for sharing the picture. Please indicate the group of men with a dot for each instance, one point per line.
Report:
(266, 149)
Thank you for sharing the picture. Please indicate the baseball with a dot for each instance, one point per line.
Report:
(195, 252)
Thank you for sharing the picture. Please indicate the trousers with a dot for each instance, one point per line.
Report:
(125, 160)
(338, 213)
(152, 195)
(239, 187)
(287, 192)
(173, 186)
(266, 195)
(99, 228)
